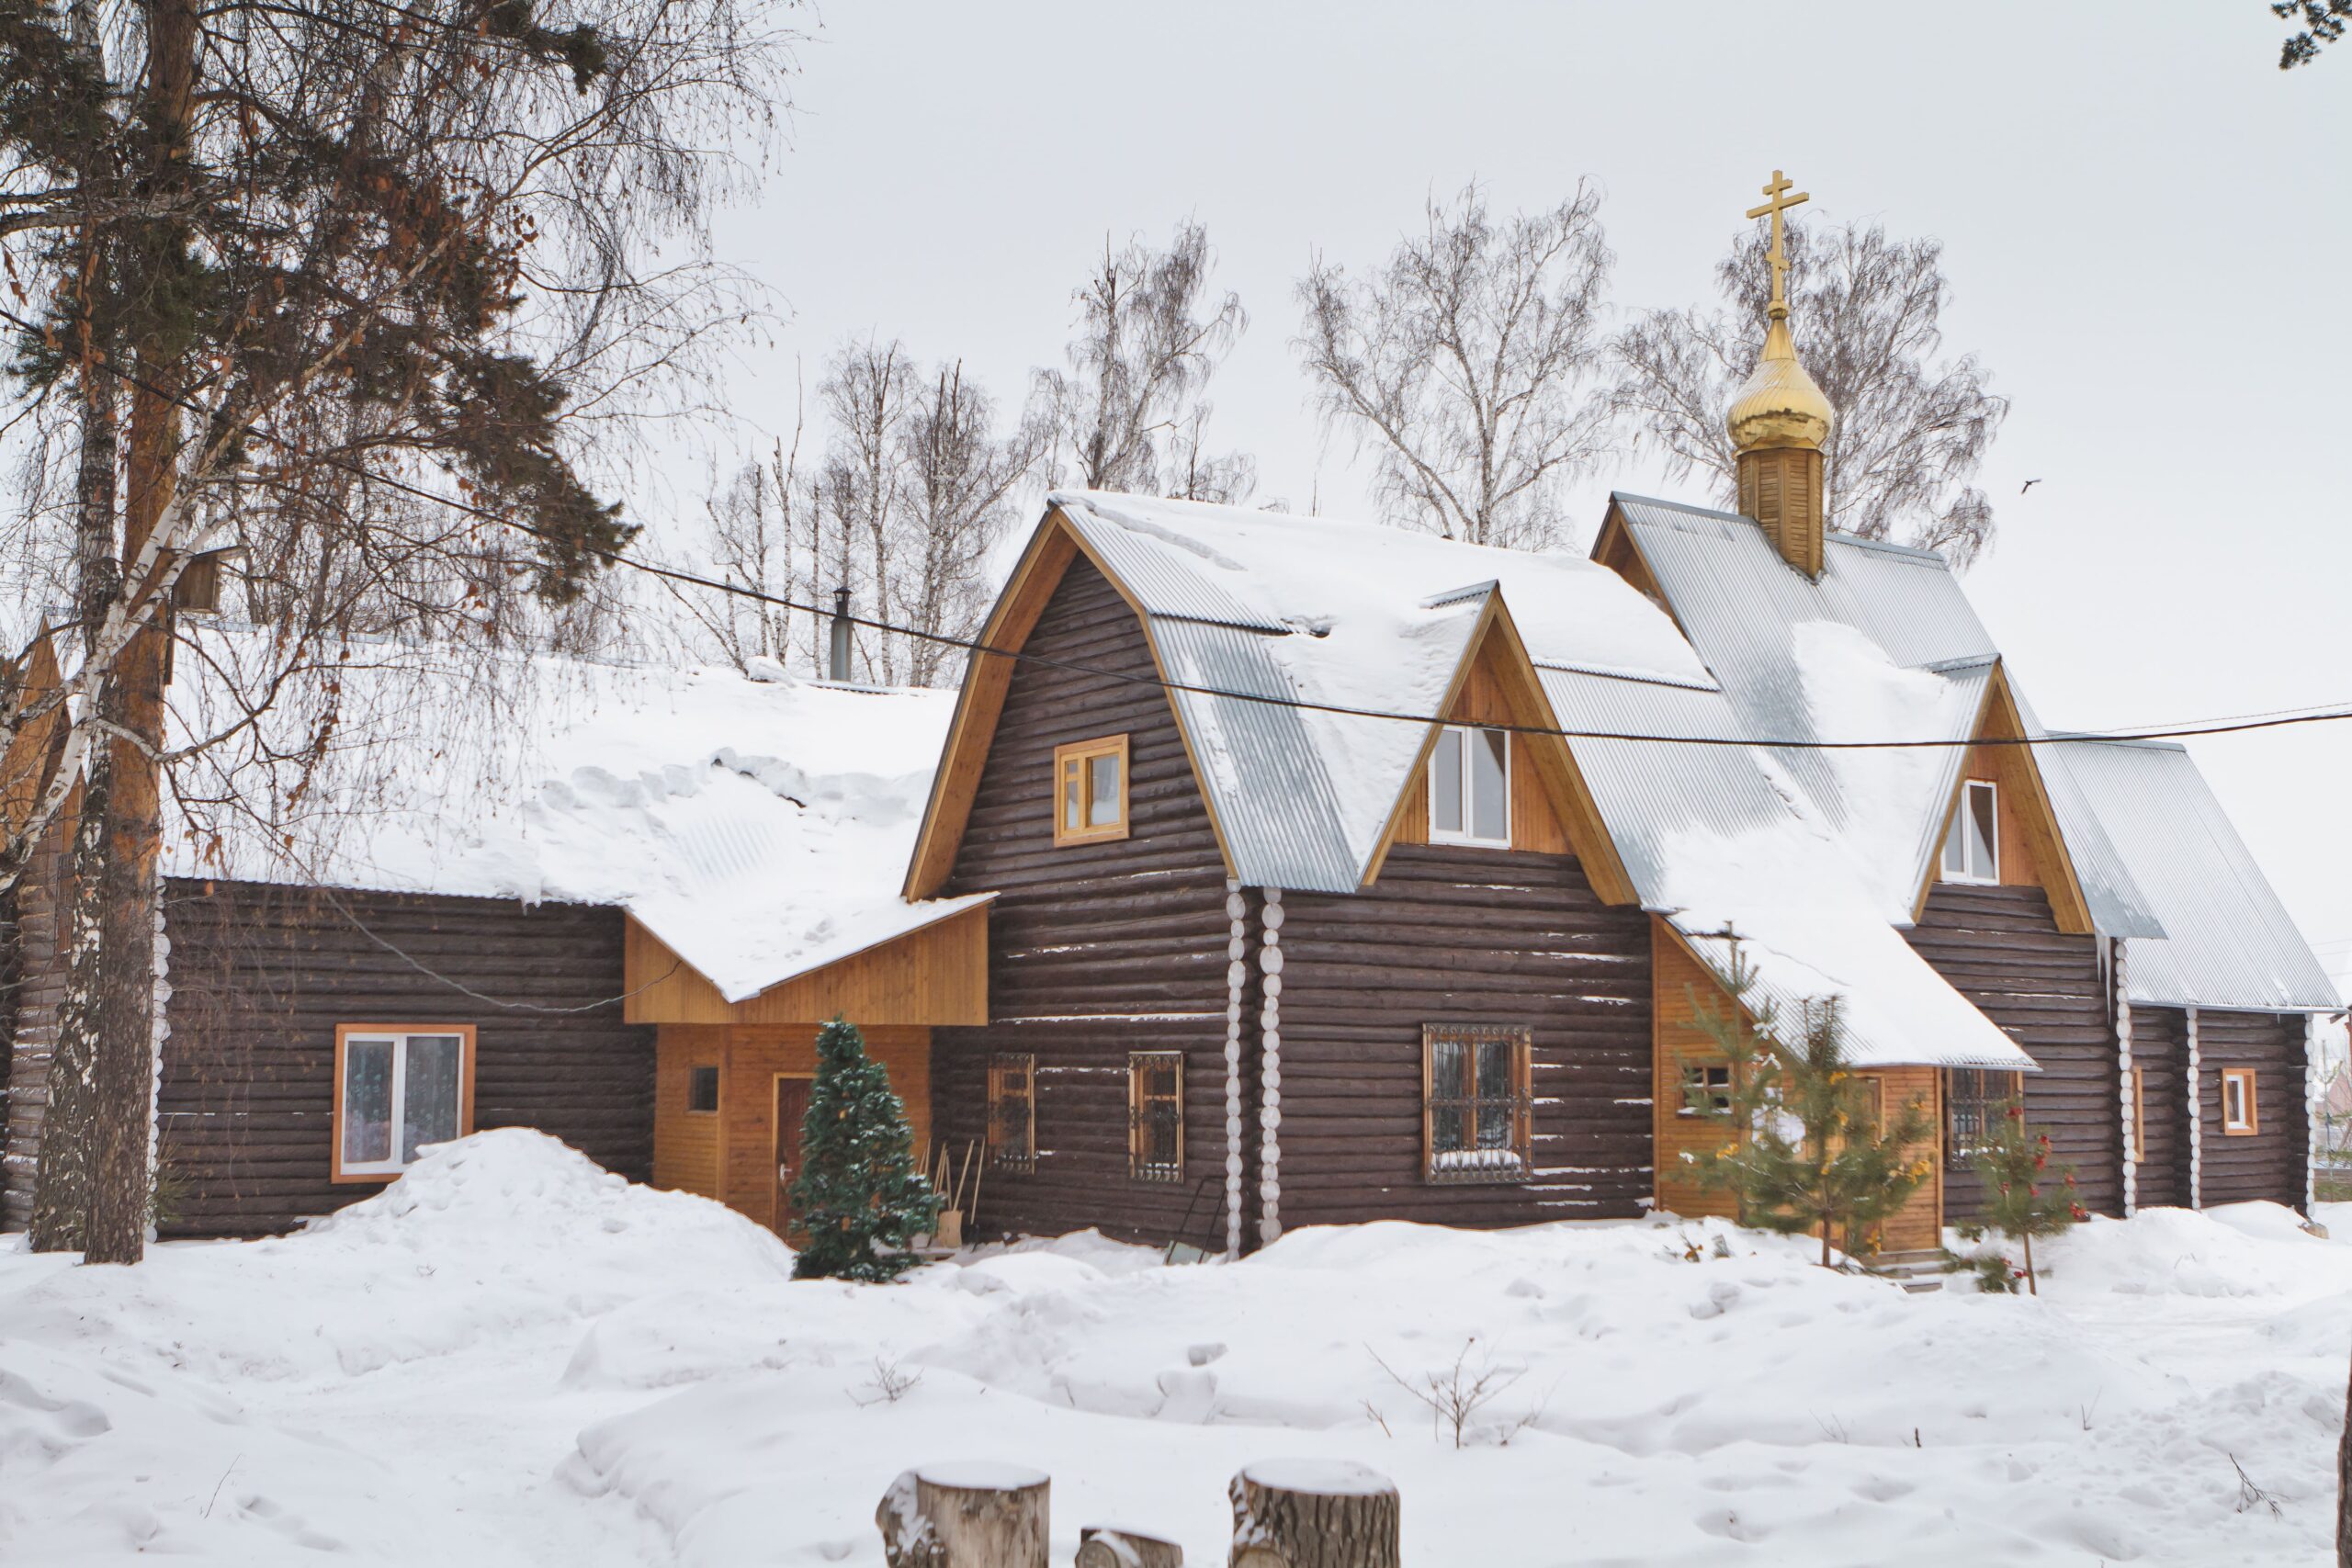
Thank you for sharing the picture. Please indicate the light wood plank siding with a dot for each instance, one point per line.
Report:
(936, 974)
(1678, 977)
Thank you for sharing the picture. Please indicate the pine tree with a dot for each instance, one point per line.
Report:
(1811, 1154)
(2025, 1195)
(858, 1193)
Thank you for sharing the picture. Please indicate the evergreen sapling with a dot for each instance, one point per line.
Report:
(1806, 1149)
(858, 1194)
(2025, 1195)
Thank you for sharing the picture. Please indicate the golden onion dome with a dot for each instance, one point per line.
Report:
(1778, 405)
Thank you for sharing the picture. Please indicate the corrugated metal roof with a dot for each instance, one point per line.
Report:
(2228, 941)
(1742, 608)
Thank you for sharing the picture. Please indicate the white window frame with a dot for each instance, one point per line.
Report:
(1960, 818)
(2247, 1121)
(1466, 834)
(349, 1035)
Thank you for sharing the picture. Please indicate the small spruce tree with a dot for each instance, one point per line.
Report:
(858, 1193)
(2024, 1194)
(1808, 1153)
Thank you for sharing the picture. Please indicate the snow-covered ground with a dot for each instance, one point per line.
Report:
(513, 1357)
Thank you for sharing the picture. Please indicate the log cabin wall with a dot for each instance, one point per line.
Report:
(2160, 1053)
(262, 975)
(2001, 948)
(1096, 950)
(1462, 934)
(2269, 1162)
(37, 980)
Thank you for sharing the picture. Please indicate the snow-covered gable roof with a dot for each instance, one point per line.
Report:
(1884, 643)
(753, 827)
(2228, 941)
(1356, 616)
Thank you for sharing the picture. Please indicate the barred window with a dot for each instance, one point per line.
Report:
(1707, 1084)
(1475, 1101)
(1975, 1101)
(1155, 1115)
(1013, 1111)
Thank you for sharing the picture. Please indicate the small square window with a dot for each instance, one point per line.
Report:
(1470, 787)
(1708, 1085)
(1972, 844)
(1090, 790)
(2241, 1111)
(702, 1089)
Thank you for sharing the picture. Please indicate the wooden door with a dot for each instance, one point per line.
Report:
(791, 1109)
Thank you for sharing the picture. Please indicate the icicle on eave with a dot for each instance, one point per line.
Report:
(1270, 1071)
(2196, 1120)
(2123, 1066)
(1237, 974)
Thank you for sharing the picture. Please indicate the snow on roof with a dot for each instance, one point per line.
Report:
(755, 827)
(1359, 615)
(1346, 614)
(2228, 941)
(1883, 642)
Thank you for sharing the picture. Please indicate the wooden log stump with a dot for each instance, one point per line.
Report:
(965, 1516)
(1304, 1512)
(1101, 1548)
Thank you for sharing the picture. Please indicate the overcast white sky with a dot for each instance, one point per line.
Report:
(2146, 225)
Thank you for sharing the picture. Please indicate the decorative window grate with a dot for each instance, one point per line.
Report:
(1012, 1112)
(1476, 1111)
(1975, 1101)
(1155, 1115)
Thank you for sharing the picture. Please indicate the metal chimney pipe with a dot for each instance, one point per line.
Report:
(840, 664)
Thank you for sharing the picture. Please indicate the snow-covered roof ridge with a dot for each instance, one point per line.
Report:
(752, 826)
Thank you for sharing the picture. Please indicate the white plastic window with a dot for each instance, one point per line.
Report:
(1972, 847)
(1470, 786)
(400, 1092)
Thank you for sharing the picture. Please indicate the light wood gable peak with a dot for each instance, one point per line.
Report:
(935, 973)
(2024, 801)
(1621, 552)
(1496, 648)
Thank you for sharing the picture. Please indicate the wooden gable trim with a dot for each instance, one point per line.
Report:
(1553, 762)
(1617, 550)
(936, 974)
(981, 703)
(31, 759)
(1998, 720)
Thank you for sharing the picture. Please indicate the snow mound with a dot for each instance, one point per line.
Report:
(2239, 1249)
(481, 1239)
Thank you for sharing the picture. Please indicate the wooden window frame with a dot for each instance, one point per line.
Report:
(1138, 1111)
(718, 1088)
(344, 1033)
(1465, 836)
(1081, 753)
(2252, 1078)
(1959, 814)
(1003, 1067)
(1684, 1067)
(2139, 1115)
(1953, 1154)
(1520, 1104)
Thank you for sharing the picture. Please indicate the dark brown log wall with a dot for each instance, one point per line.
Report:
(2269, 1163)
(2001, 948)
(1096, 950)
(1450, 934)
(2160, 1050)
(261, 975)
(36, 974)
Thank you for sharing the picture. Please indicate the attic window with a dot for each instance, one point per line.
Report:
(1972, 845)
(1090, 790)
(1470, 787)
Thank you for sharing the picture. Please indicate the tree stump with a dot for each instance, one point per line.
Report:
(965, 1516)
(1100, 1548)
(1304, 1512)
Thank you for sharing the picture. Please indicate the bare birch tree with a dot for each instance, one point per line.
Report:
(956, 503)
(1469, 364)
(1912, 429)
(367, 278)
(1127, 414)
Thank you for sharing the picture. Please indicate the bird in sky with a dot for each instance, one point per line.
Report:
(2027, 486)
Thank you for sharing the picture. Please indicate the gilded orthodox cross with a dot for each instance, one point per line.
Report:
(1777, 255)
